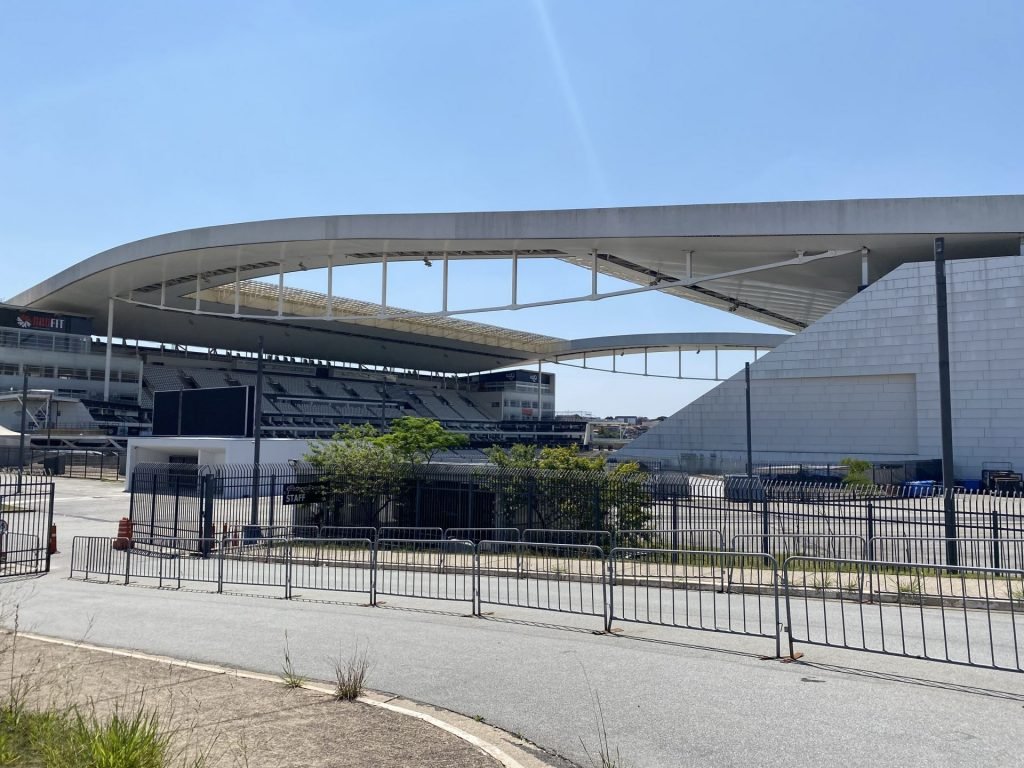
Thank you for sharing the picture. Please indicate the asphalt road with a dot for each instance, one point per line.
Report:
(669, 697)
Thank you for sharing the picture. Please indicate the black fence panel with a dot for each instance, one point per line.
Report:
(199, 502)
(26, 517)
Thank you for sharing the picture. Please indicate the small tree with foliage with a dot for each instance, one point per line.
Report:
(370, 468)
(571, 485)
(416, 439)
(358, 466)
(858, 472)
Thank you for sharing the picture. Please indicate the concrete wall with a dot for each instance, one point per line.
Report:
(863, 381)
(211, 450)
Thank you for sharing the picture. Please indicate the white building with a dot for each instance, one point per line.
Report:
(863, 381)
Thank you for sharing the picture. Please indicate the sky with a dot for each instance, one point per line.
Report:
(123, 120)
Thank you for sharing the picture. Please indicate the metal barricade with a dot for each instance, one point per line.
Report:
(348, 532)
(483, 534)
(684, 588)
(264, 563)
(568, 578)
(750, 547)
(671, 538)
(410, 533)
(174, 562)
(957, 614)
(985, 552)
(92, 557)
(579, 538)
(334, 565)
(439, 569)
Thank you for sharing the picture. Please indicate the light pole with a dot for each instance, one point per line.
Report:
(257, 421)
(49, 422)
(750, 450)
(24, 418)
(945, 401)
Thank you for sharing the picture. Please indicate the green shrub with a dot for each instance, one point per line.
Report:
(858, 471)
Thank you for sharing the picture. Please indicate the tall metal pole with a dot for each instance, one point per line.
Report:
(24, 417)
(945, 401)
(257, 418)
(750, 450)
(49, 423)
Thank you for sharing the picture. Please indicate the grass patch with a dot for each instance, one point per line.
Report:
(350, 675)
(289, 676)
(40, 728)
(75, 739)
(607, 756)
(909, 586)
(822, 581)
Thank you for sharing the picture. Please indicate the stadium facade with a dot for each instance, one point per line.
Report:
(849, 278)
(863, 382)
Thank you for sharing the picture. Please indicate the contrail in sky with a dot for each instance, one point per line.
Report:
(569, 94)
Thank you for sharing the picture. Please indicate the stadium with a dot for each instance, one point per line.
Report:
(848, 284)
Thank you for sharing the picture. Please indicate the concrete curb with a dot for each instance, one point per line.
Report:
(371, 698)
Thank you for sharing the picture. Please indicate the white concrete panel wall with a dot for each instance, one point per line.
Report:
(212, 450)
(863, 381)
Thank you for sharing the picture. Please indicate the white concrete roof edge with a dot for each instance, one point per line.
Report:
(939, 215)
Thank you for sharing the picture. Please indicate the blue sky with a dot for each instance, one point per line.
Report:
(123, 120)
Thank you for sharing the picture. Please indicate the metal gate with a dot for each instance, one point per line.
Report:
(26, 514)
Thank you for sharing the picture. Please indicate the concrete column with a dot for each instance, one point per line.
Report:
(141, 369)
(110, 351)
(540, 394)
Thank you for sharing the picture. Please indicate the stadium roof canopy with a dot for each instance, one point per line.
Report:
(784, 264)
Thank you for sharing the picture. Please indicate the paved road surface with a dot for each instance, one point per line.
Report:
(670, 697)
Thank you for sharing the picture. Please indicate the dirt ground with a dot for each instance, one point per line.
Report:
(231, 720)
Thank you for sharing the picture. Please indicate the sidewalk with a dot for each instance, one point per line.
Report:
(249, 720)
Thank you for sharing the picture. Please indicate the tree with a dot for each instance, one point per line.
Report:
(560, 459)
(572, 490)
(520, 455)
(416, 439)
(357, 465)
(857, 471)
(369, 468)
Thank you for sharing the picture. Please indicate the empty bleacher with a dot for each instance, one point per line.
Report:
(206, 378)
(437, 408)
(308, 405)
(158, 378)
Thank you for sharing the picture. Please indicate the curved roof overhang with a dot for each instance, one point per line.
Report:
(651, 343)
(784, 264)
